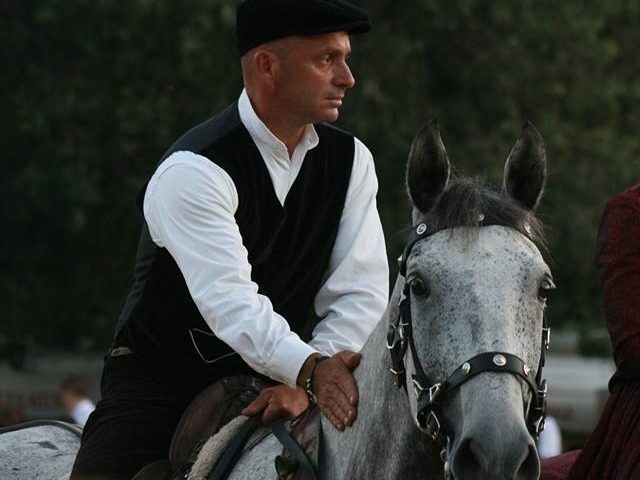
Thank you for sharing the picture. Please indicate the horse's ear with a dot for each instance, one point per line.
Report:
(525, 171)
(427, 168)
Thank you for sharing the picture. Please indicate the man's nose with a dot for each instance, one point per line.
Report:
(344, 77)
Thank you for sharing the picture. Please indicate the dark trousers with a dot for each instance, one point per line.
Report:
(132, 424)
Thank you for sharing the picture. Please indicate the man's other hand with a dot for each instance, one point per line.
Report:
(336, 389)
(278, 403)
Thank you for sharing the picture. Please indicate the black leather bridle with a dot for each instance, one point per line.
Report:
(429, 393)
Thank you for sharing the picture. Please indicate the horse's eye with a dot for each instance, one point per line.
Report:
(546, 287)
(418, 286)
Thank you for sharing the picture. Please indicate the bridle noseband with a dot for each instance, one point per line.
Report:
(430, 393)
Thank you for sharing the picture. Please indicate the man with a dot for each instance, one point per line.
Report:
(74, 396)
(253, 218)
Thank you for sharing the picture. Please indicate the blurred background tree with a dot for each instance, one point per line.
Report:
(95, 91)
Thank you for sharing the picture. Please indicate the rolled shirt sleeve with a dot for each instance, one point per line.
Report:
(189, 207)
(354, 294)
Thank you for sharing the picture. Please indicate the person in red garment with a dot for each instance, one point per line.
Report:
(613, 449)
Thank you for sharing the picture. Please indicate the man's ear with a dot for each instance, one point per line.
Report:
(266, 64)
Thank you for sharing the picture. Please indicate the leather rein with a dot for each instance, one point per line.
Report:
(429, 393)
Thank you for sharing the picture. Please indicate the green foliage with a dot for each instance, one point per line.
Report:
(95, 91)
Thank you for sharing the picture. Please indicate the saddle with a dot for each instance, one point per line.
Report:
(213, 408)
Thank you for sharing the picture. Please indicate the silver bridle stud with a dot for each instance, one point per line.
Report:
(466, 368)
(421, 228)
(526, 370)
(499, 360)
(480, 217)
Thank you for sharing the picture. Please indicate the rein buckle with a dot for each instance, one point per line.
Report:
(397, 377)
(434, 392)
(392, 339)
(418, 388)
(432, 426)
(542, 391)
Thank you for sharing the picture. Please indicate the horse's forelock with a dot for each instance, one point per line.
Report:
(470, 203)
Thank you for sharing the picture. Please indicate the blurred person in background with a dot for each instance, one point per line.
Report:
(550, 441)
(612, 451)
(74, 396)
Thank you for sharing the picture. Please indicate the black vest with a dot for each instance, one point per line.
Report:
(288, 246)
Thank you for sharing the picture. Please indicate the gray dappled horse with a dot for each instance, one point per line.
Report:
(463, 330)
(476, 283)
(38, 450)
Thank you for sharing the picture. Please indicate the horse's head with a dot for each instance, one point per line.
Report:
(474, 287)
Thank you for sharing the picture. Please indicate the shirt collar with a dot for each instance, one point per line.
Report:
(261, 134)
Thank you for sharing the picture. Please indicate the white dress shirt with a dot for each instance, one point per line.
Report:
(189, 207)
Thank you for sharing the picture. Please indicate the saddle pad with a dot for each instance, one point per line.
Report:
(214, 447)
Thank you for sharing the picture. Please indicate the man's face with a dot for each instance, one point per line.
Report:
(314, 77)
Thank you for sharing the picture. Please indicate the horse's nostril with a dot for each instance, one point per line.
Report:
(530, 467)
(469, 460)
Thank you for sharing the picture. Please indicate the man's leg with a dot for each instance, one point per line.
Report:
(131, 426)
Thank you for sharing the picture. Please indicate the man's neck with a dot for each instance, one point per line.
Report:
(288, 135)
(288, 132)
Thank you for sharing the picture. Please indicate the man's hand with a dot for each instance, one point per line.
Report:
(278, 403)
(334, 387)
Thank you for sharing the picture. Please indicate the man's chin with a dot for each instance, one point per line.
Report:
(331, 115)
(328, 115)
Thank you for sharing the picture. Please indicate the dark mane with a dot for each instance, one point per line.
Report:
(466, 199)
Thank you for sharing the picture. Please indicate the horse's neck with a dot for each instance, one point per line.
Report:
(383, 442)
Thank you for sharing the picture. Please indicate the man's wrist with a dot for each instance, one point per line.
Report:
(305, 370)
(314, 360)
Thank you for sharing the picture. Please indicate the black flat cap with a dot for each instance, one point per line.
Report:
(261, 21)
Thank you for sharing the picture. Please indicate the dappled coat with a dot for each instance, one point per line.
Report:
(613, 450)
